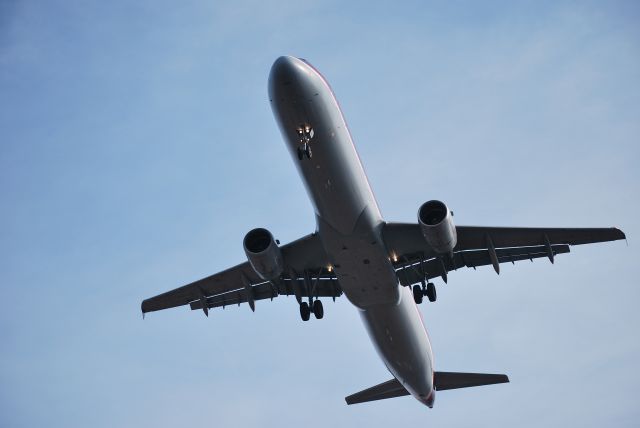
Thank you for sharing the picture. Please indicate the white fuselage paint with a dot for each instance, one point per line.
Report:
(349, 222)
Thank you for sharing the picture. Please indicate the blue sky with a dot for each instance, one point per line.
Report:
(137, 147)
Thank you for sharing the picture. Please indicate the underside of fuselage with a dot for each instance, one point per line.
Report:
(349, 221)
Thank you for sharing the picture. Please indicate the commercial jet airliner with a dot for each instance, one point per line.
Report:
(383, 268)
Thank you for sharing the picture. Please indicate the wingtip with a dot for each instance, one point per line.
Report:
(144, 307)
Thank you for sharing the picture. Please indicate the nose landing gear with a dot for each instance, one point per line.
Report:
(305, 133)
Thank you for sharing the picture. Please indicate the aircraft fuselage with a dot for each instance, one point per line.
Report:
(349, 221)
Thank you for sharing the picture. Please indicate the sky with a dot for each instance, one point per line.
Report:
(137, 147)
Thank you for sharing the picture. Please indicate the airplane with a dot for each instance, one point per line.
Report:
(384, 269)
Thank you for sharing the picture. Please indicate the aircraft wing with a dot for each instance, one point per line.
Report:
(479, 246)
(305, 258)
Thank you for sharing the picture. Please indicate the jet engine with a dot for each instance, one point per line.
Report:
(263, 254)
(436, 223)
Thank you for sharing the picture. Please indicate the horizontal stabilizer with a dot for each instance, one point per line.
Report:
(441, 381)
(389, 389)
(452, 380)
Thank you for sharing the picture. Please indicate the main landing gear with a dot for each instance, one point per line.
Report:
(428, 290)
(305, 310)
(308, 289)
(305, 133)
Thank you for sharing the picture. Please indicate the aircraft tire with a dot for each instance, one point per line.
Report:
(305, 311)
(431, 292)
(318, 310)
(417, 294)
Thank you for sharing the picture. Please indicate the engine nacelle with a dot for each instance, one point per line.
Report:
(437, 226)
(263, 253)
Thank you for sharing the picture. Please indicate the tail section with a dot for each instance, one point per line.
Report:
(441, 382)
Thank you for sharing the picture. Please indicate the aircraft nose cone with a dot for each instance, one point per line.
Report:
(284, 70)
(291, 78)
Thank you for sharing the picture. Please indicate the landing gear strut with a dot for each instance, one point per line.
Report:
(428, 290)
(313, 305)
